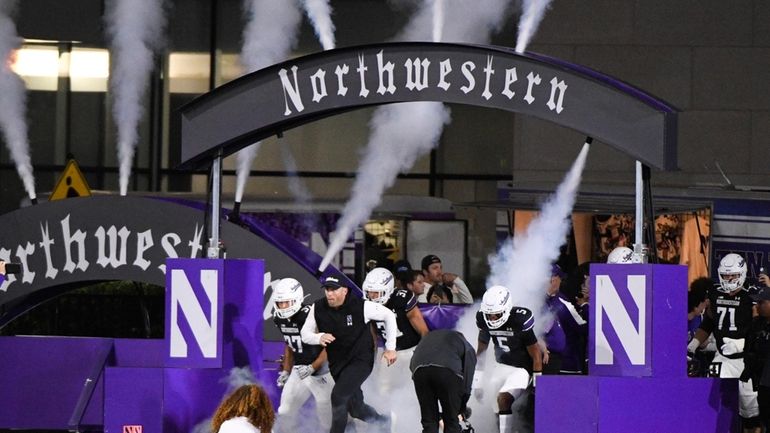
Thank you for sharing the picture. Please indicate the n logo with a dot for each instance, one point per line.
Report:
(194, 308)
(621, 321)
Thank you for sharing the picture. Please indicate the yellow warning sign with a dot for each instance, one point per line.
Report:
(71, 183)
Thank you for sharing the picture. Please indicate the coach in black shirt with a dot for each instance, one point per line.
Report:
(340, 322)
(442, 370)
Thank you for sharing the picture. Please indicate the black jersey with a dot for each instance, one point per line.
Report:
(728, 315)
(401, 302)
(304, 354)
(512, 338)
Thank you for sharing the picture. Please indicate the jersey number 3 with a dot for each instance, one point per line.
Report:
(295, 342)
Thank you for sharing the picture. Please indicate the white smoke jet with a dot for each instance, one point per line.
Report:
(532, 14)
(463, 21)
(268, 37)
(135, 30)
(245, 158)
(319, 13)
(438, 19)
(524, 267)
(296, 185)
(270, 33)
(13, 103)
(401, 133)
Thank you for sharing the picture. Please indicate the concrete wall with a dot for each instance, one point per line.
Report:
(710, 58)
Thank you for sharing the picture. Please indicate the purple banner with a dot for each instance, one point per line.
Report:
(194, 309)
(636, 320)
(620, 332)
(442, 316)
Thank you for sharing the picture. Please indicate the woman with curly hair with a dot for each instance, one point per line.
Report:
(246, 410)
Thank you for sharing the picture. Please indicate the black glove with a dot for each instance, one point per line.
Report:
(693, 367)
(746, 375)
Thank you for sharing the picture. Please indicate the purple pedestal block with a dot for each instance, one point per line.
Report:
(638, 320)
(632, 404)
(51, 382)
(217, 326)
(133, 400)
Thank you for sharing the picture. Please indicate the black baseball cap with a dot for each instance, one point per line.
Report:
(762, 295)
(332, 281)
(429, 260)
(401, 266)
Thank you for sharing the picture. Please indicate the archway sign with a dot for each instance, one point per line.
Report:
(305, 89)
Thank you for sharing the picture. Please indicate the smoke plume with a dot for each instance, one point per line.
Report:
(245, 158)
(532, 14)
(438, 19)
(319, 13)
(296, 185)
(134, 30)
(463, 21)
(524, 265)
(403, 133)
(13, 103)
(269, 36)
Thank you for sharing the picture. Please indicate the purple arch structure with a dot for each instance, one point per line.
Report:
(289, 94)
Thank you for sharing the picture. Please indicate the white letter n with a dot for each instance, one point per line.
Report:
(183, 297)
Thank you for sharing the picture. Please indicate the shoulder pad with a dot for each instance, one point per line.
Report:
(523, 317)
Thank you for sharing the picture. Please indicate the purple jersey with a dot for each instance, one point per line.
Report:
(567, 333)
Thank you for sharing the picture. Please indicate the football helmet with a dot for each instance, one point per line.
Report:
(378, 285)
(288, 290)
(621, 255)
(732, 273)
(496, 306)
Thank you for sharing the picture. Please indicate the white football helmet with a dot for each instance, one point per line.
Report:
(378, 285)
(621, 255)
(496, 306)
(288, 290)
(732, 273)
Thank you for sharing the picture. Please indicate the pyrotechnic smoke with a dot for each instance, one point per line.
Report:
(296, 185)
(319, 13)
(245, 157)
(13, 103)
(532, 14)
(463, 21)
(438, 19)
(268, 38)
(524, 267)
(135, 30)
(270, 33)
(402, 133)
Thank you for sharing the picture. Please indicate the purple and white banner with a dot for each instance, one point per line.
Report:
(620, 332)
(194, 307)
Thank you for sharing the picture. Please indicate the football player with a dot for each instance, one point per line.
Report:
(304, 370)
(729, 317)
(379, 287)
(518, 355)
